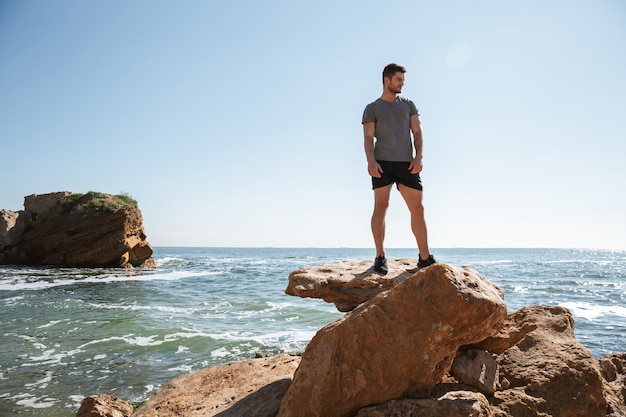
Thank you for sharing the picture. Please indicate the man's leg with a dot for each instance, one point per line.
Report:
(381, 202)
(413, 199)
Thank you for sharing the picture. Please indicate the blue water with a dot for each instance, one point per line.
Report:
(70, 333)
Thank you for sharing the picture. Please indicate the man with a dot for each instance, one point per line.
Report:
(393, 158)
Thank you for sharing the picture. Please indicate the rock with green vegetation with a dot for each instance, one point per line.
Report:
(75, 230)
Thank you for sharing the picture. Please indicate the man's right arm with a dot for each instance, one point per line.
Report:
(373, 167)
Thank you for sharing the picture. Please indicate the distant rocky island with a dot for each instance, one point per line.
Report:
(438, 342)
(75, 230)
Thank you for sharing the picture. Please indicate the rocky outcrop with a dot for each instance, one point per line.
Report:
(349, 283)
(251, 388)
(104, 405)
(548, 371)
(401, 343)
(544, 372)
(439, 345)
(76, 230)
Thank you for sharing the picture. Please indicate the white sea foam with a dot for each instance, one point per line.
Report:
(284, 338)
(10, 301)
(167, 260)
(181, 368)
(42, 383)
(31, 401)
(19, 284)
(135, 340)
(181, 335)
(52, 323)
(131, 339)
(50, 357)
(143, 341)
(592, 311)
(225, 336)
(137, 307)
(280, 306)
(220, 353)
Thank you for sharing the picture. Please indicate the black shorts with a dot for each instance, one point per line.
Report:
(397, 172)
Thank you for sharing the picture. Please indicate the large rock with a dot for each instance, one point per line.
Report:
(348, 283)
(398, 344)
(65, 229)
(549, 372)
(251, 388)
(104, 405)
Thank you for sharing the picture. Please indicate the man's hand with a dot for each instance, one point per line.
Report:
(374, 169)
(416, 165)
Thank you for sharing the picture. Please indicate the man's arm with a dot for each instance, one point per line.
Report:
(416, 128)
(373, 167)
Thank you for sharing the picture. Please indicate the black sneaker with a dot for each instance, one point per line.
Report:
(380, 265)
(423, 263)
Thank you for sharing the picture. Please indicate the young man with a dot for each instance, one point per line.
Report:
(393, 158)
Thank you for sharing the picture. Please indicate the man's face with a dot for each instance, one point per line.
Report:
(396, 82)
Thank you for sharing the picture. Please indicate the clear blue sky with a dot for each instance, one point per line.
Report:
(239, 123)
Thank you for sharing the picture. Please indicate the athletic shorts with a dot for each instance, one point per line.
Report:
(397, 172)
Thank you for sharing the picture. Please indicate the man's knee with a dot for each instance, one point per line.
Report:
(381, 204)
(381, 199)
(417, 209)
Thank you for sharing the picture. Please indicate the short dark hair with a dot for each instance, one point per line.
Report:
(391, 69)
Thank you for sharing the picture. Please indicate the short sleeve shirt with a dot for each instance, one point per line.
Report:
(393, 128)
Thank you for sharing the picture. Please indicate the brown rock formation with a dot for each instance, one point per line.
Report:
(549, 370)
(104, 406)
(400, 343)
(251, 388)
(65, 229)
(544, 371)
(453, 404)
(348, 283)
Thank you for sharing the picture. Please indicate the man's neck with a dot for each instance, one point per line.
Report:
(388, 96)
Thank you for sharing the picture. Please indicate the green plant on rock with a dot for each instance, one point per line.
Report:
(78, 203)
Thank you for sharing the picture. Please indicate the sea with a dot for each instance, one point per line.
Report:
(71, 333)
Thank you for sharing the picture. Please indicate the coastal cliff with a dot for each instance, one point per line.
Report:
(75, 230)
(436, 342)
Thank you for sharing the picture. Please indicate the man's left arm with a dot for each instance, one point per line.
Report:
(416, 129)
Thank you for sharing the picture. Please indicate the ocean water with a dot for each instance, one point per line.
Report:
(70, 333)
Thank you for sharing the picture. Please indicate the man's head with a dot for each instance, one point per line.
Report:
(393, 77)
(391, 69)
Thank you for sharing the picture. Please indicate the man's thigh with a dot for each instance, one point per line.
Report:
(411, 196)
(381, 196)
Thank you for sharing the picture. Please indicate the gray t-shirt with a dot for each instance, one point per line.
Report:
(393, 128)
